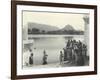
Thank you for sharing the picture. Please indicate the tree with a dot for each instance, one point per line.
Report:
(43, 31)
(35, 30)
(29, 31)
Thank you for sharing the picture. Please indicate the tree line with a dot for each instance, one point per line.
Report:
(38, 31)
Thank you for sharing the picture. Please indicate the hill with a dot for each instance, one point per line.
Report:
(42, 27)
(68, 28)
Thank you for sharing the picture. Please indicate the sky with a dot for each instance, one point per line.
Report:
(54, 19)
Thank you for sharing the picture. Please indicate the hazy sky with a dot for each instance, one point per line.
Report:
(55, 19)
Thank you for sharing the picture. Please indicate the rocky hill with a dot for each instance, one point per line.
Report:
(68, 28)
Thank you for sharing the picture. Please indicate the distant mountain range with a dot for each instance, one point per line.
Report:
(36, 28)
(42, 27)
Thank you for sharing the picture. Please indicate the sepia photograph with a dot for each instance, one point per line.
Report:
(54, 39)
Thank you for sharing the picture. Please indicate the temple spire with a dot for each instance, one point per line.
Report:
(86, 19)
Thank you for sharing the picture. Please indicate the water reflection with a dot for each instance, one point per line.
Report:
(53, 45)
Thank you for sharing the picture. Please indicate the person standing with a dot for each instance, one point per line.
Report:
(31, 58)
(44, 58)
(61, 57)
(65, 54)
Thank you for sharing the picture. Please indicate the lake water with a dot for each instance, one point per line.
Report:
(52, 44)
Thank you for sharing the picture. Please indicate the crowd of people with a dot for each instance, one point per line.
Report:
(75, 51)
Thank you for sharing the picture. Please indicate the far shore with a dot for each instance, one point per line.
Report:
(51, 35)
